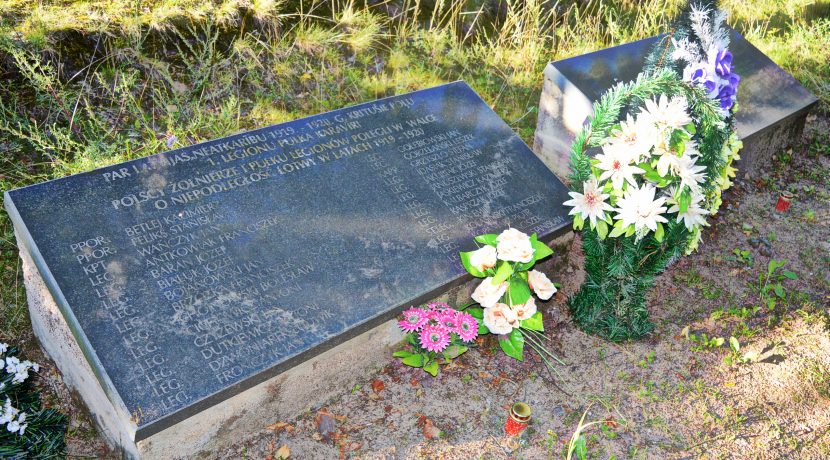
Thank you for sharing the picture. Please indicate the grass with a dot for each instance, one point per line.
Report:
(84, 84)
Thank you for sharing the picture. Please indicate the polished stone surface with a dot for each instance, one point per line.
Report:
(772, 103)
(194, 274)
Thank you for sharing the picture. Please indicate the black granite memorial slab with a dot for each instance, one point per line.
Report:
(191, 275)
(772, 104)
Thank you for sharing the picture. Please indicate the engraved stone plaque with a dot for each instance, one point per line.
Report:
(191, 275)
(772, 104)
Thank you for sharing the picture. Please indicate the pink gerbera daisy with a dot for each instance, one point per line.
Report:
(448, 319)
(413, 319)
(467, 327)
(434, 338)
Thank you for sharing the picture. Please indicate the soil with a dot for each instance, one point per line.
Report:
(669, 395)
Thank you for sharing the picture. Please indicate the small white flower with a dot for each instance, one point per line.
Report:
(514, 246)
(616, 164)
(11, 364)
(667, 113)
(20, 376)
(9, 413)
(590, 203)
(487, 294)
(540, 284)
(638, 207)
(13, 426)
(483, 258)
(526, 310)
(500, 319)
(36, 367)
(694, 215)
(3, 347)
(22, 428)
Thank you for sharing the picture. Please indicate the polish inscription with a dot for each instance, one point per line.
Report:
(232, 256)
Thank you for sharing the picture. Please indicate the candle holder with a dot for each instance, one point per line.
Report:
(517, 419)
(784, 201)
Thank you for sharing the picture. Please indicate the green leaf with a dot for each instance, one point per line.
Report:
(402, 354)
(482, 329)
(465, 306)
(454, 351)
(431, 368)
(789, 274)
(734, 344)
(534, 323)
(578, 222)
(602, 229)
(580, 448)
(684, 200)
(503, 271)
(630, 230)
(476, 312)
(414, 360)
(518, 292)
(488, 239)
(718, 342)
(618, 230)
(541, 250)
(775, 265)
(513, 344)
(465, 261)
(779, 290)
(690, 128)
(658, 235)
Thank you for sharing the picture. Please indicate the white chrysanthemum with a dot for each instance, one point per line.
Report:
(636, 137)
(667, 113)
(590, 204)
(669, 160)
(616, 165)
(694, 214)
(689, 173)
(638, 207)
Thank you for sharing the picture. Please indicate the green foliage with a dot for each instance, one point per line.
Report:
(620, 269)
(513, 344)
(770, 285)
(44, 435)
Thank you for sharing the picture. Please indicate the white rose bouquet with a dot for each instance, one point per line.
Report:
(505, 295)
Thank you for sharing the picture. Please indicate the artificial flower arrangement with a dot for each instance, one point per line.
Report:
(436, 333)
(26, 430)
(667, 141)
(505, 295)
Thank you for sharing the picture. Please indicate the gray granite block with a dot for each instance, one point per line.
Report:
(772, 104)
(178, 291)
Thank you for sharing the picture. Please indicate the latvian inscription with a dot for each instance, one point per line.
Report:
(199, 269)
